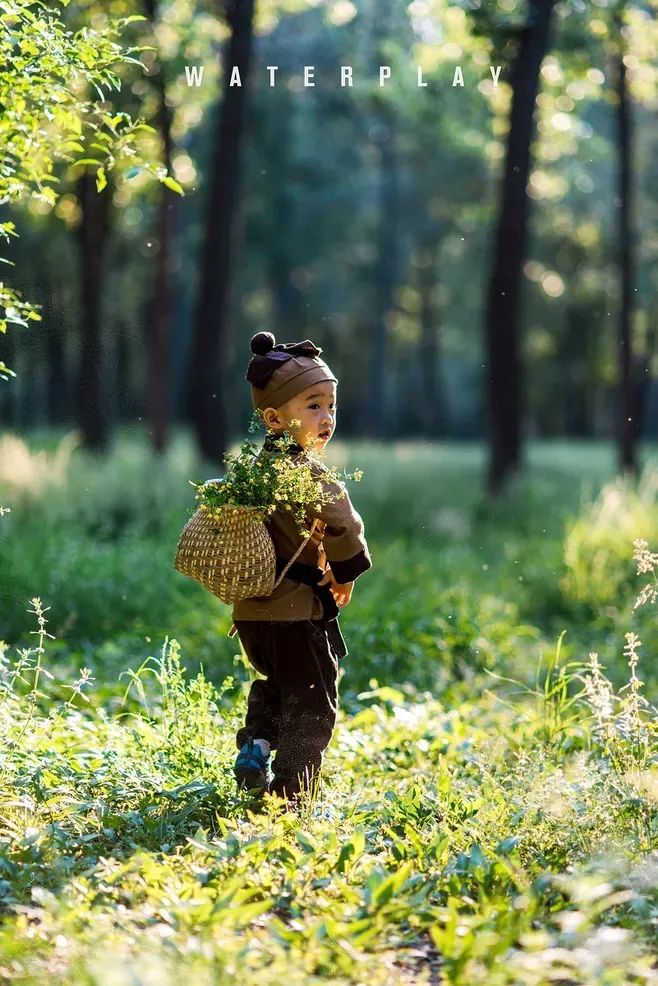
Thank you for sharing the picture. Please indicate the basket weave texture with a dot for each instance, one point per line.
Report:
(232, 555)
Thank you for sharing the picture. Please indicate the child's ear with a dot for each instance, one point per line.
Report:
(271, 419)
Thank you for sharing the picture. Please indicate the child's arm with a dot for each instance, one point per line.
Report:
(343, 539)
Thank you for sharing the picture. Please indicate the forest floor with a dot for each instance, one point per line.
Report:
(488, 808)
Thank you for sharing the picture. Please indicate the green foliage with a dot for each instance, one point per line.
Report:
(597, 541)
(48, 117)
(464, 587)
(458, 838)
(330, 140)
(488, 808)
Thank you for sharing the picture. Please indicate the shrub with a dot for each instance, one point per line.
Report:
(596, 543)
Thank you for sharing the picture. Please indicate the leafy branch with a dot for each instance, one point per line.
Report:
(46, 117)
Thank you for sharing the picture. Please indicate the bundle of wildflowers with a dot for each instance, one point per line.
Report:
(272, 478)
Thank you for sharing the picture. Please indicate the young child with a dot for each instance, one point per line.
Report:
(292, 636)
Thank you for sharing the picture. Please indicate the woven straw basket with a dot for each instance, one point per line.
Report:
(232, 555)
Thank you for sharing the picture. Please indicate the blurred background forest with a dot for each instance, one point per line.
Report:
(436, 241)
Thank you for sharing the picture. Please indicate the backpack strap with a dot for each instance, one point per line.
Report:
(296, 554)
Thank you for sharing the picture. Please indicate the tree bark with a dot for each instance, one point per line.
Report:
(386, 275)
(642, 383)
(386, 264)
(204, 388)
(627, 431)
(433, 421)
(92, 236)
(287, 299)
(57, 368)
(502, 315)
(576, 351)
(159, 317)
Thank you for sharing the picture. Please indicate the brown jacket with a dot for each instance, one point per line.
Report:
(338, 539)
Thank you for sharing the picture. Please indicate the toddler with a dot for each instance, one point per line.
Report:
(292, 636)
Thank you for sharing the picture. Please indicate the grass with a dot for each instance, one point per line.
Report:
(491, 794)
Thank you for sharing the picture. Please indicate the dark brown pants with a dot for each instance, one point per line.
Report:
(294, 707)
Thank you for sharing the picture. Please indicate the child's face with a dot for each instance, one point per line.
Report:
(310, 416)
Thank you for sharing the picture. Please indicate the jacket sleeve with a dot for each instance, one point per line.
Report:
(343, 540)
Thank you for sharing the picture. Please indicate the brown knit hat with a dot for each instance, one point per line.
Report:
(279, 373)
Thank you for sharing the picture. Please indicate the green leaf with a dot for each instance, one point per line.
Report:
(391, 884)
(135, 61)
(307, 842)
(101, 180)
(172, 184)
(506, 845)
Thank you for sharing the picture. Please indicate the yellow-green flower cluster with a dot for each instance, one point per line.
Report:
(276, 477)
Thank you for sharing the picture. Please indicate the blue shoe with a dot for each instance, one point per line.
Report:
(327, 813)
(252, 768)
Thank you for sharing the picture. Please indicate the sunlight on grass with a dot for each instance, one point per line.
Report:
(487, 813)
(28, 471)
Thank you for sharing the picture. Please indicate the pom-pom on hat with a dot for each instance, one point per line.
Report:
(277, 373)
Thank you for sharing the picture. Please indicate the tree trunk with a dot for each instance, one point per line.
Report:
(57, 367)
(386, 275)
(627, 431)
(204, 389)
(575, 354)
(642, 382)
(123, 364)
(386, 265)
(287, 299)
(502, 316)
(159, 317)
(92, 235)
(433, 421)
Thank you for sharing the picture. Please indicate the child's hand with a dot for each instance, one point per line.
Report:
(341, 591)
